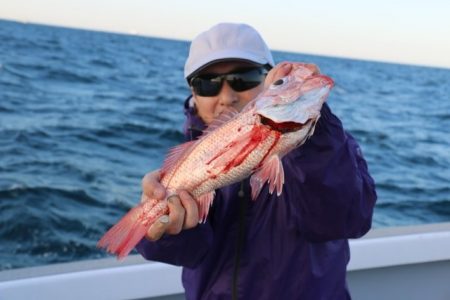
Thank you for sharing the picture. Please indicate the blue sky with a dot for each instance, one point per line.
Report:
(402, 31)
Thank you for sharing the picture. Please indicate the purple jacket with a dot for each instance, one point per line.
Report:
(289, 247)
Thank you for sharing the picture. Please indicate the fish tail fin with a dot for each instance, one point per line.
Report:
(125, 235)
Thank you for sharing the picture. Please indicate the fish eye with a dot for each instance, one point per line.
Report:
(279, 82)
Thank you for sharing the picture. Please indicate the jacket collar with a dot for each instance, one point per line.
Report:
(194, 125)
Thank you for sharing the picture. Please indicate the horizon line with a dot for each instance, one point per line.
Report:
(138, 34)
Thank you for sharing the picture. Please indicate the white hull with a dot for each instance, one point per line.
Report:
(392, 263)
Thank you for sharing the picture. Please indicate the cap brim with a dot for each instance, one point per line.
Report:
(226, 55)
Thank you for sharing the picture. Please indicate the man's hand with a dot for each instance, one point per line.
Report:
(183, 209)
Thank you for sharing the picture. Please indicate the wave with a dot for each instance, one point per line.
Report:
(4, 109)
(411, 212)
(99, 62)
(438, 207)
(43, 193)
(19, 71)
(70, 76)
(140, 131)
(412, 191)
(48, 223)
(45, 72)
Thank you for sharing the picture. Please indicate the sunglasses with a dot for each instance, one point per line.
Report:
(209, 85)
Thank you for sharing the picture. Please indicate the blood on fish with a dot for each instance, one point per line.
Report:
(259, 135)
(282, 127)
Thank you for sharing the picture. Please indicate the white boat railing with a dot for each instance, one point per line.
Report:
(388, 263)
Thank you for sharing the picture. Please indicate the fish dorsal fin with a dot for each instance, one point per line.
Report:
(174, 155)
(204, 203)
(272, 172)
(224, 117)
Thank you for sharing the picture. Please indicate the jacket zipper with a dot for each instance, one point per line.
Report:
(240, 240)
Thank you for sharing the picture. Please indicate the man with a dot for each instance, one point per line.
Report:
(289, 247)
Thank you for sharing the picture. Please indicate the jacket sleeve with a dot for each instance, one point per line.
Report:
(335, 195)
(185, 249)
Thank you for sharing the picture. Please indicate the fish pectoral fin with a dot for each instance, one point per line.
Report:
(256, 184)
(204, 203)
(272, 172)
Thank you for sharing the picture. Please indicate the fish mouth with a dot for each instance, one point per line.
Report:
(283, 127)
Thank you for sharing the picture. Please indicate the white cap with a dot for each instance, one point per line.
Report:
(226, 41)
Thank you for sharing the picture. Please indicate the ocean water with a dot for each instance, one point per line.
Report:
(84, 115)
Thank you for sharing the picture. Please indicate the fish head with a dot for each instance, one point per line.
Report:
(293, 101)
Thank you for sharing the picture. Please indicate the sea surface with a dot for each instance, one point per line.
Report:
(84, 115)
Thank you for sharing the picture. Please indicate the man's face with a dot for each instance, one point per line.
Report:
(209, 107)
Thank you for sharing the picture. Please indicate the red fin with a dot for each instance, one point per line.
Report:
(271, 171)
(256, 184)
(136, 234)
(224, 117)
(174, 155)
(205, 202)
(124, 236)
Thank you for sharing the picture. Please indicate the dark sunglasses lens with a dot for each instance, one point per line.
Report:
(239, 81)
(206, 87)
(246, 80)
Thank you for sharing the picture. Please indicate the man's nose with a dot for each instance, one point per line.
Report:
(227, 96)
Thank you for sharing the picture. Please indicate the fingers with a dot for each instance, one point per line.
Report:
(171, 224)
(156, 231)
(151, 186)
(176, 215)
(191, 218)
(183, 214)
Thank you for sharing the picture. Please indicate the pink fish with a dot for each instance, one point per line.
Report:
(233, 147)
